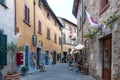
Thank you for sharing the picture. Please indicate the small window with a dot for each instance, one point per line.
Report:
(64, 38)
(81, 24)
(27, 14)
(48, 15)
(55, 38)
(75, 30)
(84, 14)
(40, 4)
(64, 25)
(59, 40)
(48, 33)
(55, 23)
(39, 27)
(104, 4)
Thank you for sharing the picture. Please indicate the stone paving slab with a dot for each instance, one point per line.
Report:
(59, 71)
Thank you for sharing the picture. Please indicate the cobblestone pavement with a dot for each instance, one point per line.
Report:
(59, 71)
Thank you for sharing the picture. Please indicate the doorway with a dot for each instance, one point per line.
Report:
(106, 57)
(39, 58)
(46, 57)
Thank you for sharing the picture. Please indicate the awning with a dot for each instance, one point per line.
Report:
(79, 46)
(76, 48)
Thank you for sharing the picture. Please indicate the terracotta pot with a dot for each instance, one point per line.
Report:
(13, 77)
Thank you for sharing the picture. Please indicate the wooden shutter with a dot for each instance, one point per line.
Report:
(3, 49)
(49, 33)
(28, 15)
(25, 13)
(39, 27)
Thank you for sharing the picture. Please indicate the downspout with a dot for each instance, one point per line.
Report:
(15, 16)
(34, 18)
(82, 21)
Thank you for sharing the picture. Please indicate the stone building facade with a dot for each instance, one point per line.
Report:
(102, 50)
(69, 32)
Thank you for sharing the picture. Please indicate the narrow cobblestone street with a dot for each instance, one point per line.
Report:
(57, 72)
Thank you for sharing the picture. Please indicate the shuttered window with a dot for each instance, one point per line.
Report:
(55, 38)
(39, 27)
(104, 4)
(84, 14)
(48, 33)
(27, 14)
(3, 49)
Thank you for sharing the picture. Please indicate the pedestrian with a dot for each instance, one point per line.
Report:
(69, 61)
(74, 65)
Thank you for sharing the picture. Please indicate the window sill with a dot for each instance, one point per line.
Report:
(3, 5)
(48, 38)
(39, 33)
(26, 22)
(103, 9)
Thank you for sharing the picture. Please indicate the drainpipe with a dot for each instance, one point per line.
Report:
(34, 18)
(82, 20)
(15, 16)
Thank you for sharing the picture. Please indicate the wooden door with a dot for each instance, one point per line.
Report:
(106, 58)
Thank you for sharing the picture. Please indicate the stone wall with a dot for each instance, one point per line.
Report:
(94, 51)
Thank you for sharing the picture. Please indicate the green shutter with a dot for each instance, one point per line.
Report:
(3, 49)
(2, 1)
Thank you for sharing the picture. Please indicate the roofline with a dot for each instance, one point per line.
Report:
(50, 10)
(75, 7)
(69, 21)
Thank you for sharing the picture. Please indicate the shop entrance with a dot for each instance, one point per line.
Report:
(106, 57)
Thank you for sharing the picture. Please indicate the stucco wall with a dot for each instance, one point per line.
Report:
(27, 31)
(7, 23)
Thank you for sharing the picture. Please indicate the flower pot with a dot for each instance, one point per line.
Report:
(13, 77)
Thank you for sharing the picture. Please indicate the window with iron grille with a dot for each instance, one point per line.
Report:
(39, 27)
(27, 14)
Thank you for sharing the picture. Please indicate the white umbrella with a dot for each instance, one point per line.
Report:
(79, 46)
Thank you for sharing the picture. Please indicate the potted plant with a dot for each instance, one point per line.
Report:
(12, 48)
(24, 69)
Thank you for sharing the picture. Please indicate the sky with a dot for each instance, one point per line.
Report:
(63, 8)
